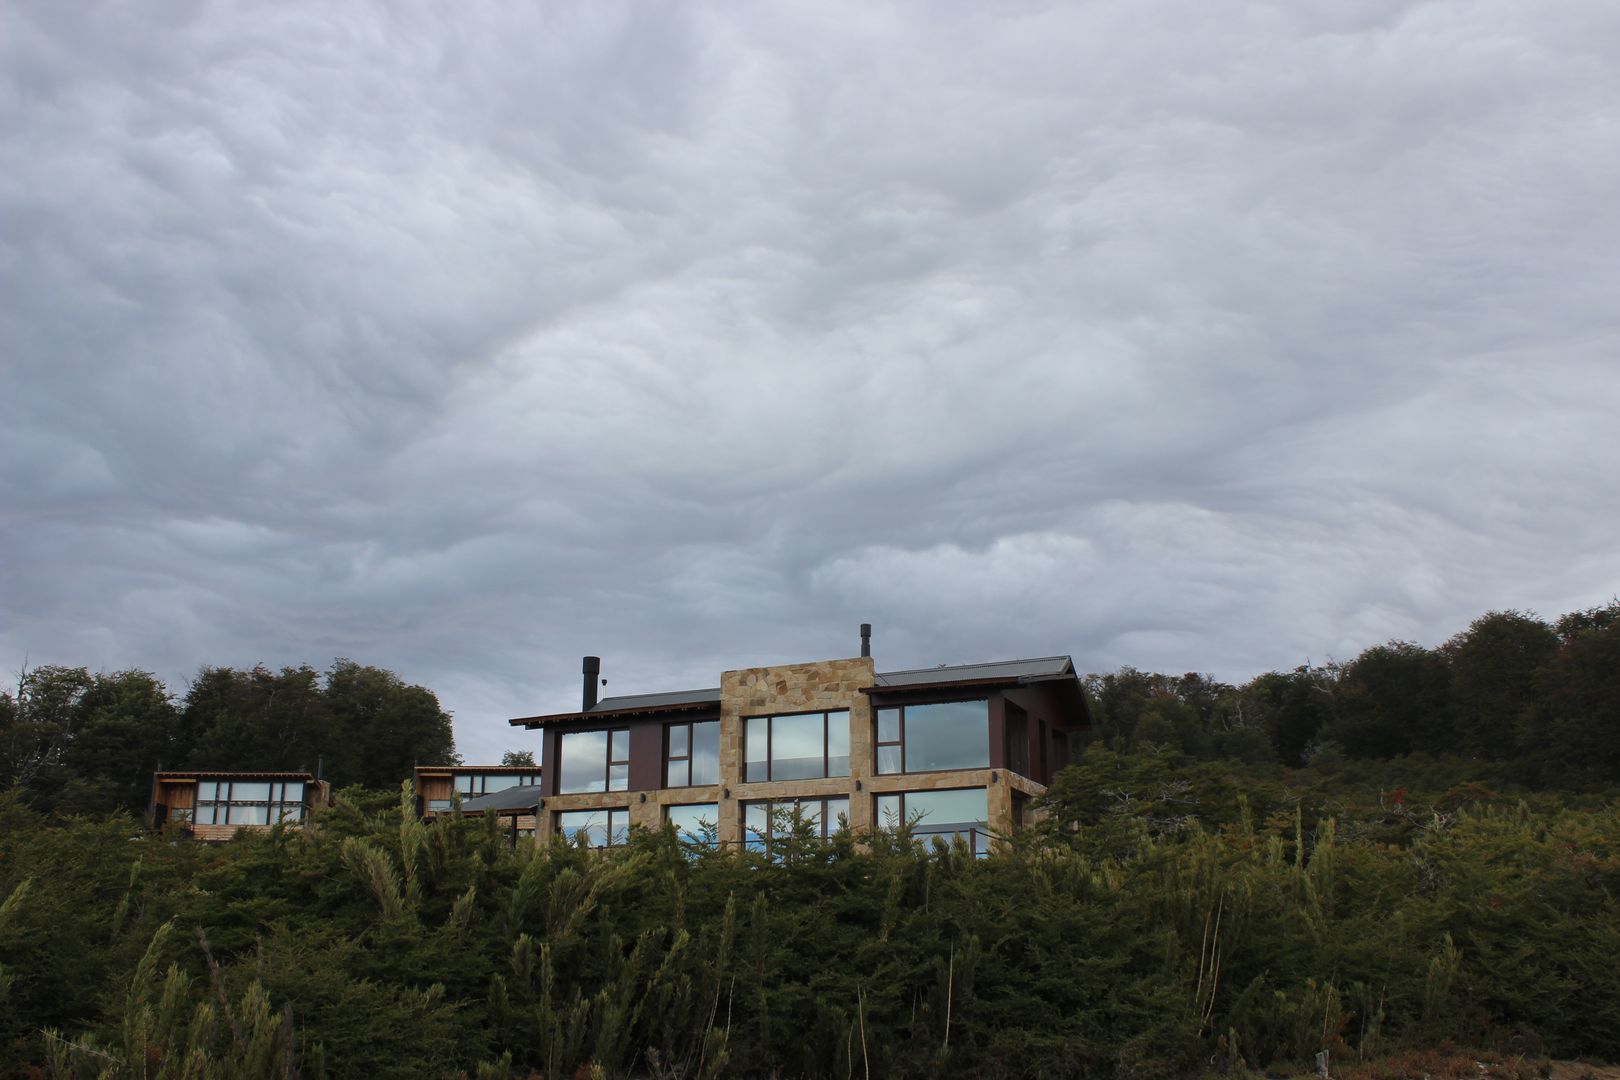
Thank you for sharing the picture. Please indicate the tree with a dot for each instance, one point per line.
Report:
(387, 726)
(518, 758)
(260, 719)
(1291, 707)
(1496, 667)
(1393, 699)
(1582, 683)
(86, 743)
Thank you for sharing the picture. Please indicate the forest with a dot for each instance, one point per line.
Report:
(1416, 850)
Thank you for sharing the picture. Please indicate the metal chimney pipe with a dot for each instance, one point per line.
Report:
(866, 639)
(592, 667)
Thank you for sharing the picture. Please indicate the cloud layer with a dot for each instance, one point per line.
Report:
(467, 341)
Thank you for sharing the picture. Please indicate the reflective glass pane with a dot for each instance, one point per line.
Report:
(838, 743)
(464, 783)
(290, 812)
(295, 792)
(888, 759)
(618, 778)
(438, 804)
(706, 752)
(679, 742)
(810, 810)
(621, 745)
(205, 813)
(584, 762)
(250, 792)
(888, 725)
(592, 823)
(249, 814)
(952, 735)
(947, 811)
(496, 783)
(618, 826)
(207, 790)
(888, 811)
(698, 823)
(756, 824)
(758, 767)
(798, 747)
(837, 815)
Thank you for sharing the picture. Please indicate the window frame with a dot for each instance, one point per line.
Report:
(900, 707)
(770, 745)
(611, 812)
(828, 823)
(685, 760)
(978, 835)
(685, 837)
(479, 781)
(278, 807)
(609, 762)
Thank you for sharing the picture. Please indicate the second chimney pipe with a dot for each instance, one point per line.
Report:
(866, 639)
(592, 666)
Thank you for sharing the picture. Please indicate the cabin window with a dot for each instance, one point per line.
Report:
(799, 746)
(933, 737)
(594, 761)
(768, 821)
(601, 828)
(692, 753)
(696, 823)
(944, 814)
(249, 802)
(472, 785)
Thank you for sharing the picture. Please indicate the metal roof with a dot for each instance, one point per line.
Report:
(630, 704)
(512, 798)
(626, 702)
(479, 768)
(1038, 669)
(238, 774)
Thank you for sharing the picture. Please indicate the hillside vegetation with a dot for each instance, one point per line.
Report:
(1227, 878)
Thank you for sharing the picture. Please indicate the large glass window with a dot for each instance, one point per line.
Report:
(945, 814)
(249, 802)
(696, 823)
(800, 746)
(692, 754)
(472, 785)
(928, 738)
(594, 761)
(764, 822)
(601, 828)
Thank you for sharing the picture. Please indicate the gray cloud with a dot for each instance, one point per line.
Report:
(1179, 335)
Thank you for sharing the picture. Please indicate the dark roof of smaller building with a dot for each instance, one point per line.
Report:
(239, 774)
(512, 798)
(479, 768)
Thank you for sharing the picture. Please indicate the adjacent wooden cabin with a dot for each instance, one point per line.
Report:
(215, 805)
(437, 785)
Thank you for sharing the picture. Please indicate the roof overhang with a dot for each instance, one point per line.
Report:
(599, 716)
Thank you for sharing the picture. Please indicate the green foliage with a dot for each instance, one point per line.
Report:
(1166, 913)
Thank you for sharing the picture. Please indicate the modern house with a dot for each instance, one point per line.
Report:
(214, 805)
(959, 750)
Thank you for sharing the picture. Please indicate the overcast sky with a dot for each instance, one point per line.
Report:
(467, 339)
